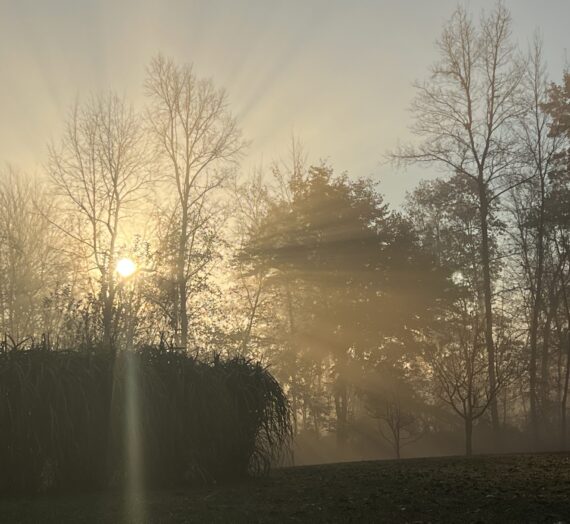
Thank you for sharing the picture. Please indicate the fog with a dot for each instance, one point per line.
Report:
(247, 239)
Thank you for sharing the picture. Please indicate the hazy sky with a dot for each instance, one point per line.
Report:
(337, 74)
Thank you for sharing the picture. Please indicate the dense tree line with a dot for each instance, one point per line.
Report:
(451, 315)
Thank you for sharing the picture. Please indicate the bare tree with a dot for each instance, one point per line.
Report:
(465, 113)
(251, 201)
(539, 152)
(29, 260)
(458, 365)
(393, 403)
(100, 171)
(199, 142)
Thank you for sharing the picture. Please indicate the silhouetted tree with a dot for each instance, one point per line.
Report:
(354, 268)
(465, 113)
(31, 265)
(199, 142)
(393, 401)
(558, 221)
(100, 172)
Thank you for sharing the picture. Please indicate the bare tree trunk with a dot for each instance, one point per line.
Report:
(532, 382)
(254, 304)
(468, 436)
(294, 408)
(559, 361)
(341, 400)
(181, 276)
(544, 364)
(563, 425)
(397, 444)
(488, 297)
(292, 349)
(183, 315)
(107, 316)
(341, 410)
(535, 315)
(316, 424)
(108, 294)
(316, 410)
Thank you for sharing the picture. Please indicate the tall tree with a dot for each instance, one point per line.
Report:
(539, 150)
(100, 171)
(198, 141)
(445, 216)
(464, 114)
(558, 217)
(351, 269)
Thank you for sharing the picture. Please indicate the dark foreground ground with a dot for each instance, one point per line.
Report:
(500, 488)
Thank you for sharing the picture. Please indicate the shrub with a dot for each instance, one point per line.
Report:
(66, 418)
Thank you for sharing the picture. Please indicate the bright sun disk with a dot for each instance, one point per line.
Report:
(125, 267)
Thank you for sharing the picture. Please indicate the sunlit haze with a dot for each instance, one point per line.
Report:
(284, 261)
(337, 74)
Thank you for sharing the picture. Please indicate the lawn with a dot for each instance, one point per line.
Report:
(493, 488)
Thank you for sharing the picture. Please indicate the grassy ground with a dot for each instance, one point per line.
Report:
(501, 488)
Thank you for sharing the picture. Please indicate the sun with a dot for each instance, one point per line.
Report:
(125, 267)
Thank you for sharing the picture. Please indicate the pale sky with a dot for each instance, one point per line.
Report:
(337, 74)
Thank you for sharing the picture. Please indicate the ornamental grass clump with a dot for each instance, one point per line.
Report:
(68, 419)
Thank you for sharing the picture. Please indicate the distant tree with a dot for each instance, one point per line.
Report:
(445, 217)
(252, 277)
(198, 142)
(455, 357)
(396, 405)
(30, 261)
(349, 267)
